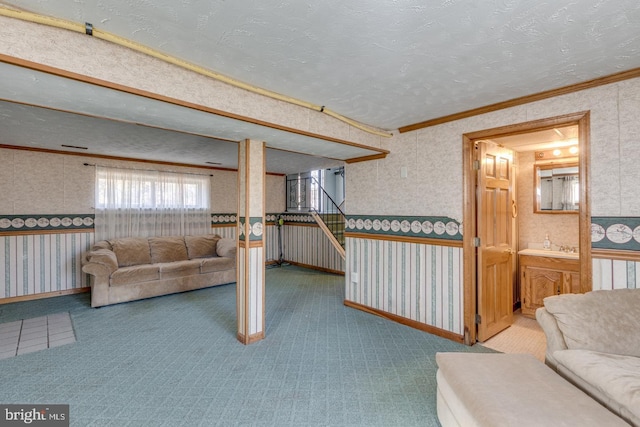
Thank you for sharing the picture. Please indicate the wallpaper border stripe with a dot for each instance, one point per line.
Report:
(434, 227)
(46, 222)
(229, 219)
(621, 233)
(256, 228)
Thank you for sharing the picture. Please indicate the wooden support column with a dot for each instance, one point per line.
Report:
(250, 298)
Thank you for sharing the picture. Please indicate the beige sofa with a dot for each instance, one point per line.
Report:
(135, 268)
(593, 340)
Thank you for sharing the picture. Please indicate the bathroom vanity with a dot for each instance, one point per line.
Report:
(544, 273)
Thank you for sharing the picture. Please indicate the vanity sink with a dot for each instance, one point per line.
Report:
(544, 273)
(549, 253)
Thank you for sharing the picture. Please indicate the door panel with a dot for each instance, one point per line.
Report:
(488, 238)
(503, 225)
(539, 284)
(495, 253)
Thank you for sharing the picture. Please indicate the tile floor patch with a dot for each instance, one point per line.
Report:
(39, 333)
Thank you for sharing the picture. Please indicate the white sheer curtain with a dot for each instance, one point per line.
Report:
(136, 203)
(570, 193)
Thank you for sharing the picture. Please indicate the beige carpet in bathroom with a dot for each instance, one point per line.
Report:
(524, 336)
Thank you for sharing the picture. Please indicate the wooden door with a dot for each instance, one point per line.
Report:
(495, 249)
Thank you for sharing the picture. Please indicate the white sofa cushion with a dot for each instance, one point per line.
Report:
(613, 379)
(604, 321)
(511, 390)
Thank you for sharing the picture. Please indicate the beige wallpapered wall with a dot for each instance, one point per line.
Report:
(44, 183)
(433, 157)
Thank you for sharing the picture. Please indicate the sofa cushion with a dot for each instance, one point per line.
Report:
(614, 379)
(131, 251)
(167, 249)
(512, 390)
(604, 321)
(201, 246)
(102, 244)
(135, 274)
(171, 270)
(209, 265)
(226, 248)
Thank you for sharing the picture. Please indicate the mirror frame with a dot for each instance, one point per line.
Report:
(536, 185)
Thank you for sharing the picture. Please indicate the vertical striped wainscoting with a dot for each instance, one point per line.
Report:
(615, 274)
(226, 231)
(271, 251)
(39, 263)
(306, 244)
(253, 312)
(416, 281)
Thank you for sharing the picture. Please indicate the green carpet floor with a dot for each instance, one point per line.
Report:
(175, 361)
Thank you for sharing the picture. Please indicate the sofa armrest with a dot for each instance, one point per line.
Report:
(100, 264)
(101, 261)
(555, 339)
(97, 270)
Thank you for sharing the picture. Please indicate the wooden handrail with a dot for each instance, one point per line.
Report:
(332, 238)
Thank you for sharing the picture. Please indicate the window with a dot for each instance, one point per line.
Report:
(147, 190)
(150, 203)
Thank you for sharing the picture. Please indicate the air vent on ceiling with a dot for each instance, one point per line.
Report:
(74, 146)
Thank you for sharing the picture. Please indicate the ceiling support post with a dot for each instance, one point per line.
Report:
(250, 286)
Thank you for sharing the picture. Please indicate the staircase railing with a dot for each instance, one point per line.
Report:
(330, 218)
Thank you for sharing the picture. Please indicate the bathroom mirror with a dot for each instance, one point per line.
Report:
(556, 188)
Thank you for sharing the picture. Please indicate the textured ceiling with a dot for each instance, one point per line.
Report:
(42, 89)
(386, 63)
(22, 126)
(40, 110)
(541, 140)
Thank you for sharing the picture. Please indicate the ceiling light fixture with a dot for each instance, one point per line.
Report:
(557, 153)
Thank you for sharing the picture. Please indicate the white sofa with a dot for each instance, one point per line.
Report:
(593, 340)
(511, 390)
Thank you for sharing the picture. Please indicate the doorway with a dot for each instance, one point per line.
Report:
(474, 287)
